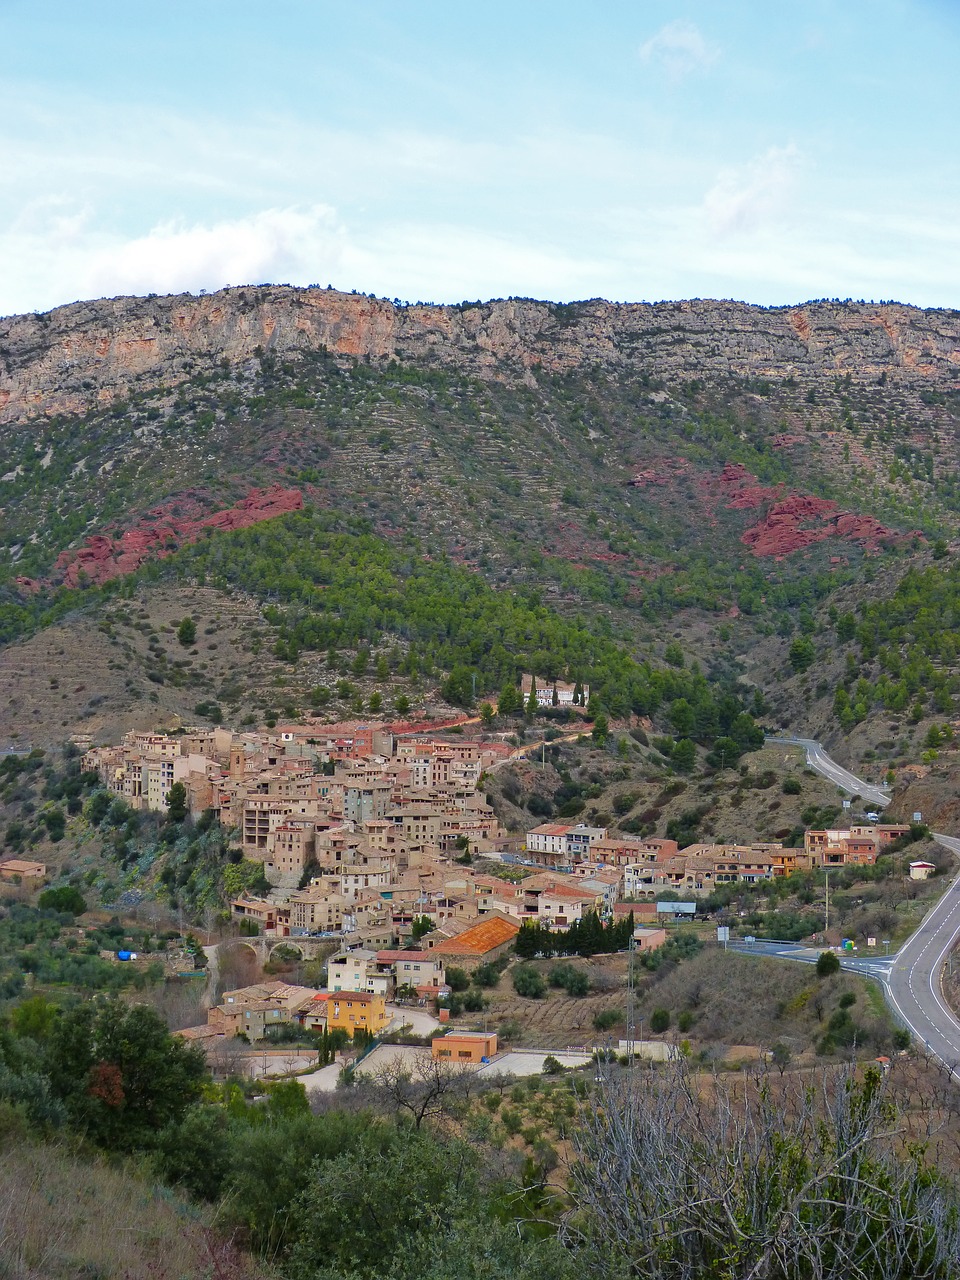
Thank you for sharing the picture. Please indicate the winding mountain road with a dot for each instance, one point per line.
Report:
(912, 979)
(914, 986)
(820, 762)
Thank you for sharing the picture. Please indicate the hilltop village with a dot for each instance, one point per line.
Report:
(380, 838)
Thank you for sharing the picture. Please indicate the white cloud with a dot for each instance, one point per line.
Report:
(275, 244)
(54, 253)
(745, 198)
(679, 47)
(57, 254)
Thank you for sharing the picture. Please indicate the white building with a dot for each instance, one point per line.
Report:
(546, 689)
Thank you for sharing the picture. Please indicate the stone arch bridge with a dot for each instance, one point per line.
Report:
(305, 948)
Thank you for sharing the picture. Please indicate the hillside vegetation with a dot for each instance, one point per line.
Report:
(722, 509)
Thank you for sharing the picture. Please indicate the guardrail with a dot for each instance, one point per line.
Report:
(769, 942)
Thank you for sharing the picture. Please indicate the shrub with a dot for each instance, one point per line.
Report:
(659, 1021)
(512, 1120)
(529, 983)
(187, 632)
(66, 899)
(578, 984)
(792, 786)
(606, 1018)
(574, 981)
(828, 962)
(457, 979)
(487, 975)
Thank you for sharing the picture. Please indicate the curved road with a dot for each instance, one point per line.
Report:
(912, 978)
(914, 985)
(820, 762)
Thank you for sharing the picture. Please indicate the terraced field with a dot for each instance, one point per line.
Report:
(559, 1021)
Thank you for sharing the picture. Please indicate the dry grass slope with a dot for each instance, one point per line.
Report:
(62, 1218)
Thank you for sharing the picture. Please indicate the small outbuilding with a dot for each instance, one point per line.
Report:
(471, 1047)
(921, 870)
(649, 939)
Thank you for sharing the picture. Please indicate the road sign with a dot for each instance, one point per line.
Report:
(723, 933)
(871, 942)
(918, 816)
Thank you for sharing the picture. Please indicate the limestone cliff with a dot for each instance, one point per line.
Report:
(77, 356)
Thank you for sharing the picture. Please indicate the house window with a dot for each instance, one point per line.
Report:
(464, 1053)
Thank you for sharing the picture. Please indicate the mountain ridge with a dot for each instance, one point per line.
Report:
(85, 354)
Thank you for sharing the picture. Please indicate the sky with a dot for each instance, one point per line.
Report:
(757, 149)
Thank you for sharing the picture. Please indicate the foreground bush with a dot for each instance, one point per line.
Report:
(683, 1179)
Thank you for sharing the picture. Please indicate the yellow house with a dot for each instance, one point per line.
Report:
(356, 1010)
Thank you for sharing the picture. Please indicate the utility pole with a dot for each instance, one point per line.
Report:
(826, 919)
(631, 991)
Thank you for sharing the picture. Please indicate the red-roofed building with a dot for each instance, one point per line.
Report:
(488, 940)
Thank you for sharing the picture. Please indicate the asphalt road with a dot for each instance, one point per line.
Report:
(911, 977)
(820, 762)
(913, 987)
(871, 966)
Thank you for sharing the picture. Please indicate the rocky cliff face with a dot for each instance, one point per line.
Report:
(70, 359)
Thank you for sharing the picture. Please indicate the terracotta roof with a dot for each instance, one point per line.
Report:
(480, 938)
(17, 866)
(571, 895)
(206, 1032)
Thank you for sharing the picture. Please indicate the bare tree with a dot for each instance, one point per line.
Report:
(425, 1089)
(227, 1057)
(179, 1003)
(681, 1177)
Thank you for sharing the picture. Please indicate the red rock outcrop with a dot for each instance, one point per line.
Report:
(802, 520)
(160, 532)
(785, 527)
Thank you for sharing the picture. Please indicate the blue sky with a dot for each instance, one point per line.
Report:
(755, 149)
